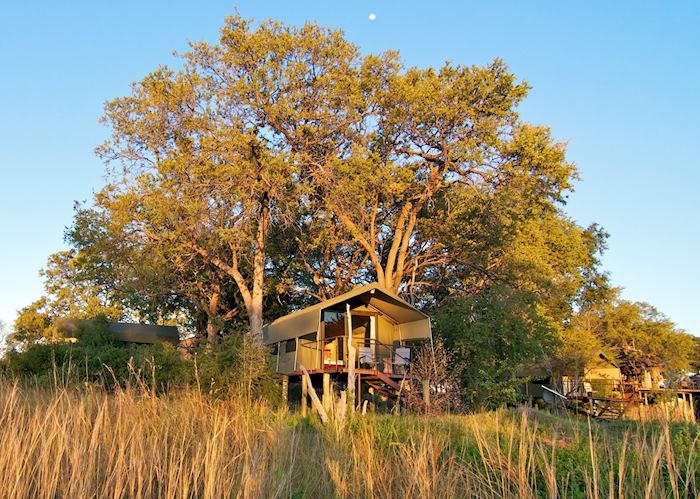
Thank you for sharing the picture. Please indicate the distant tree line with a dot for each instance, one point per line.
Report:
(281, 166)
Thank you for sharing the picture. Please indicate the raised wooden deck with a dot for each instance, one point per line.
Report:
(343, 370)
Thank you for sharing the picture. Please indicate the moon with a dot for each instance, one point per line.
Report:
(372, 16)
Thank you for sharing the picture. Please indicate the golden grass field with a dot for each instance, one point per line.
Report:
(85, 442)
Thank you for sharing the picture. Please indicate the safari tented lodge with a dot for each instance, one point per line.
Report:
(368, 333)
(607, 389)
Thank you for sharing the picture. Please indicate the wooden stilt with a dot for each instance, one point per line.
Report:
(359, 390)
(351, 378)
(304, 395)
(372, 404)
(351, 358)
(327, 395)
(692, 406)
(285, 389)
(316, 405)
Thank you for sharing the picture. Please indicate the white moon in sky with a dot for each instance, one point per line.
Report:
(372, 17)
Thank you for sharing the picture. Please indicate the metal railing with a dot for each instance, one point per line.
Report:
(371, 354)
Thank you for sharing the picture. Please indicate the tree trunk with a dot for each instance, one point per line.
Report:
(255, 319)
(255, 309)
(212, 331)
(212, 308)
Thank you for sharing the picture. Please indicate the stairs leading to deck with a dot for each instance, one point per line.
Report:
(383, 384)
(596, 407)
(611, 408)
(601, 408)
(391, 388)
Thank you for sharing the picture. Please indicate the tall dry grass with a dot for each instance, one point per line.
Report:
(89, 443)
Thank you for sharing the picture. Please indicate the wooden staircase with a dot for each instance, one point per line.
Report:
(389, 387)
(595, 407)
(383, 384)
(611, 408)
(601, 408)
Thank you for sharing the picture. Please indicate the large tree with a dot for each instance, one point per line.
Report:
(213, 154)
(283, 151)
(431, 141)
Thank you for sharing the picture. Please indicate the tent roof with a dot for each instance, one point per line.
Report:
(144, 333)
(307, 320)
(124, 331)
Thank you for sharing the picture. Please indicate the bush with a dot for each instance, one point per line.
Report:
(491, 335)
(435, 365)
(98, 357)
(237, 366)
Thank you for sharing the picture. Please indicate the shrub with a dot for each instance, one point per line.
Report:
(492, 335)
(98, 357)
(435, 365)
(237, 365)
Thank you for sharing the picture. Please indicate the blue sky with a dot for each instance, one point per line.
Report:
(617, 80)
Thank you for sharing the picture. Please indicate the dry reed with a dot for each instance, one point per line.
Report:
(87, 442)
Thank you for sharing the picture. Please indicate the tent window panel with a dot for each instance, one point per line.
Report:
(290, 346)
(334, 323)
(309, 337)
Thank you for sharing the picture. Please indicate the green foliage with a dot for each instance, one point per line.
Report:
(695, 359)
(98, 357)
(32, 325)
(237, 365)
(636, 335)
(68, 296)
(492, 335)
(72, 294)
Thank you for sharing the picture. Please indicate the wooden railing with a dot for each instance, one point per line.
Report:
(371, 354)
(599, 388)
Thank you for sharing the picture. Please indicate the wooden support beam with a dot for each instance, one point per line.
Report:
(426, 393)
(304, 395)
(359, 391)
(351, 358)
(285, 389)
(351, 378)
(318, 407)
(327, 395)
(692, 406)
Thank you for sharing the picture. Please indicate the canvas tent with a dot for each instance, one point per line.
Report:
(316, 336)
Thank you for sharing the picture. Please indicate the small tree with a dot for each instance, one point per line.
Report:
(435, 375)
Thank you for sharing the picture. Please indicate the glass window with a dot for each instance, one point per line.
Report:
(290, 346)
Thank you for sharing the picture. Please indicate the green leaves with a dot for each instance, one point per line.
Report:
(493, 334)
